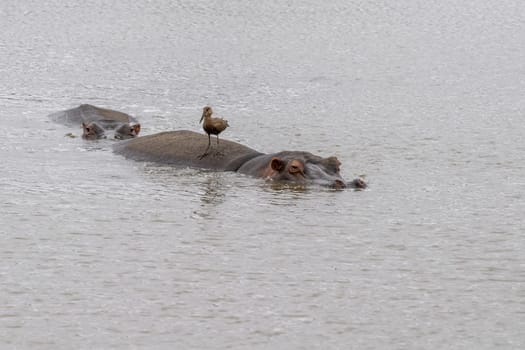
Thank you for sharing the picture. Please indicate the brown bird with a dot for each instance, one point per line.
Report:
(212, 126)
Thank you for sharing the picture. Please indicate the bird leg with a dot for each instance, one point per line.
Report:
(207, 148)
(218, 151)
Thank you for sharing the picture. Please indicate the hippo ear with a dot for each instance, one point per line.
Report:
(277, 164)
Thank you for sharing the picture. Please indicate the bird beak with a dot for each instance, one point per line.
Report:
(200, 121)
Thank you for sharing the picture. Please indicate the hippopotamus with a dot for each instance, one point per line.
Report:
(93, 131)
(183, 148)
(95, 121)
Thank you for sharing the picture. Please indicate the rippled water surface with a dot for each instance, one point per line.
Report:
(424, 99)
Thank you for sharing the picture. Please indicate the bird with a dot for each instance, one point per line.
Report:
(211, 126)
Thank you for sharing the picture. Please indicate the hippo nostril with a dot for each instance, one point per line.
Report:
(338, 184)
(357, 184)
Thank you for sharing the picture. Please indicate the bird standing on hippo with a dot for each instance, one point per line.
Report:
(180, 148)
(95, 121)
(211, 126)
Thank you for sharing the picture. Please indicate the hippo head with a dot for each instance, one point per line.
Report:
(127, 131)
(304, 167)
(92, 131)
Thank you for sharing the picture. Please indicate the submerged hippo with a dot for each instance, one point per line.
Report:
(93, 131)
(97, 120)
(127, 131)
(183, 148)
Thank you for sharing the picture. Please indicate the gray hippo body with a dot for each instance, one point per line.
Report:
(183, 148)
(100, 119)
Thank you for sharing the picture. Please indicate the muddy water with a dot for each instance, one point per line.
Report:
(424, 99)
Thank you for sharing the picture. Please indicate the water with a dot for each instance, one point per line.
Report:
(423, 98)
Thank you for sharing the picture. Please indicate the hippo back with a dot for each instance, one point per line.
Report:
(86, 113)
(183, 148)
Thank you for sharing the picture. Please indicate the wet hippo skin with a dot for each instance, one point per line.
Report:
(183, 148)
(100, 119)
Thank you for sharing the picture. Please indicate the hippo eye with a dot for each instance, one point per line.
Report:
(88, 129)
(294, 169)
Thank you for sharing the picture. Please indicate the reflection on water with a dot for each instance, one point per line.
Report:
(213, 189)
(211, 192)
(282, 186)
(95, 145)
